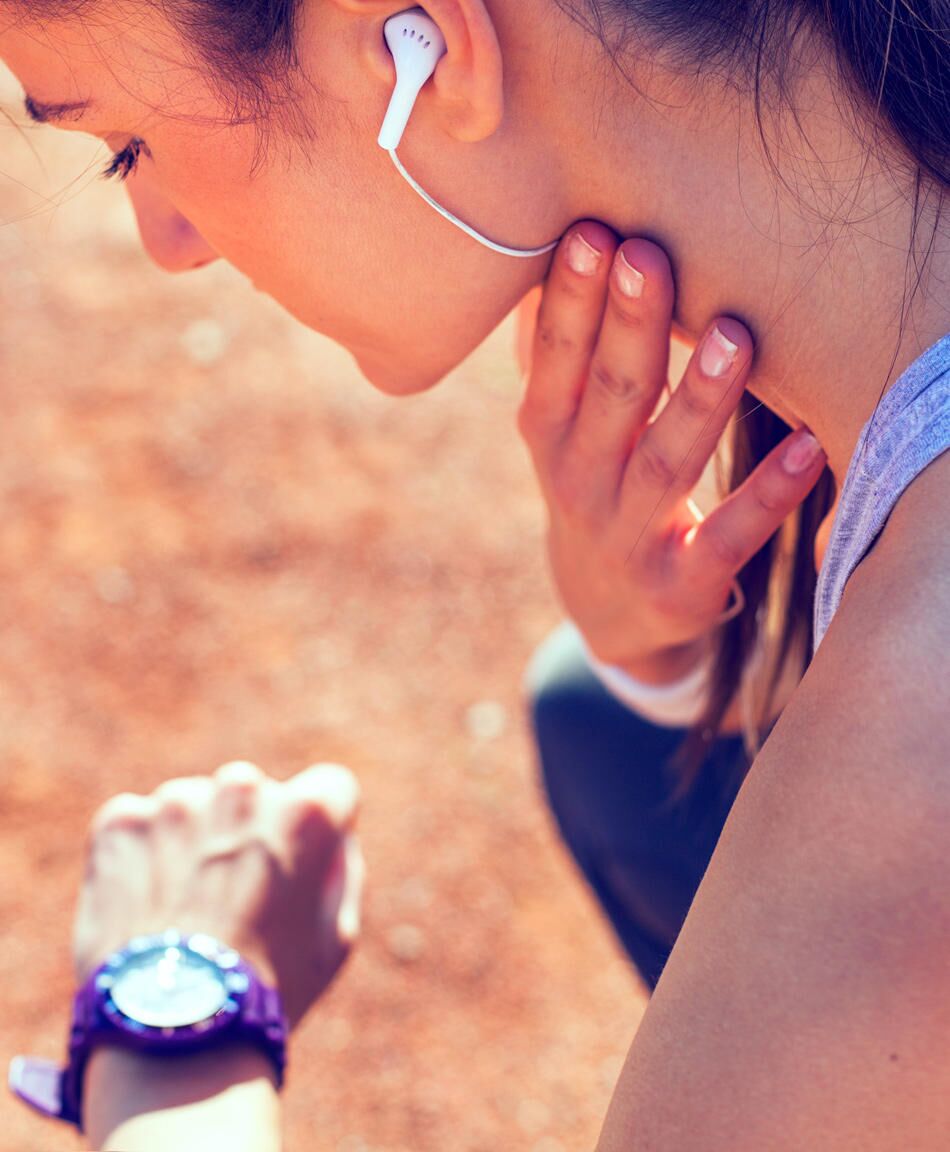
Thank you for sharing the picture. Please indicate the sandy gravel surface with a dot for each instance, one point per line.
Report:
(217, 542)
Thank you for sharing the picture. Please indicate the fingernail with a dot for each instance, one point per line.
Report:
(582, 256)
(801, 454)
(718, 355)
(629, 279)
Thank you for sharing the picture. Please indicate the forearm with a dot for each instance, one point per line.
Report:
(223, 1099)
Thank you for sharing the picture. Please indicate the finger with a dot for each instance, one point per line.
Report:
(628, 369)
(237, 793)
(672, 453)
(566, 333)
(126, 812)
(120, 836)
(183, 801)
(320, 804)
(182, 808)
(735, 531)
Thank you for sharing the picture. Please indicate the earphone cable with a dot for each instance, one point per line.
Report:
(520, 253)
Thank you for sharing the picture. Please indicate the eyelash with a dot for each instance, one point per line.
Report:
(124, 163)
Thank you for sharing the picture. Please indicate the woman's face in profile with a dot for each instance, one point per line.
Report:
(306, 205)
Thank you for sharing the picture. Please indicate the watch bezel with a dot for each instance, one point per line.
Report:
(234, 974)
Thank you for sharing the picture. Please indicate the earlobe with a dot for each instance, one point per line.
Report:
(468, 81)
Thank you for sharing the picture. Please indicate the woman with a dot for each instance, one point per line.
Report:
(793, 159)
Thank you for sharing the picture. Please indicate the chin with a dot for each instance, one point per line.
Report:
(395, 380)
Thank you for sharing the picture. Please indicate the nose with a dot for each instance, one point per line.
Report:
(169, 238)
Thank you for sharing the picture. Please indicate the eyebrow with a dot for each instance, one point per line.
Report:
(41, 113)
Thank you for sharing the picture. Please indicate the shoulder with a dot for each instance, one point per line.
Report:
(861, 750)
(896, 607)
(857, 768)
(876, 693)
(815, 952)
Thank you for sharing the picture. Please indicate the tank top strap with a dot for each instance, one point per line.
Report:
(909, 429)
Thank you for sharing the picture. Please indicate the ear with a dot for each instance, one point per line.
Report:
(468, 81)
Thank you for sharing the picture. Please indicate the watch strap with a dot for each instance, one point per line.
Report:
(39, 1083)
(56, 1092)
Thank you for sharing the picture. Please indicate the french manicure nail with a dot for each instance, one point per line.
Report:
(629, 279)
(718, 355)
(803, 451)
(582, 256)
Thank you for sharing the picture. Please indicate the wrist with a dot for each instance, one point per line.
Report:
(679, 703)
(149, 1101)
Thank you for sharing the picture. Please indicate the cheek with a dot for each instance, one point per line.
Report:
(347, 249)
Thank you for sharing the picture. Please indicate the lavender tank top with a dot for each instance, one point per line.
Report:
(908, 431)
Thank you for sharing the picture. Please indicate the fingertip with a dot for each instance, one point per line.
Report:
(642, 281)
(738, 334)
(587, 249)
(596, 234)
(650, 261)
(802, 454)
(126, 811)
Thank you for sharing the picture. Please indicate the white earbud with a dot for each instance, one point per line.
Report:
(417, 45)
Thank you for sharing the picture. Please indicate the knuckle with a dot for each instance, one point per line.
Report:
(768, 497)
(176, 811)
(575, 288)
(625, 315)
(698, 402)
(618, 385)
(228, 790)
(238, 782)
(125, 812)
(238, 772)
(554, 340)
(236, 805)
(175, 807)
(652, 467)
(726, 550)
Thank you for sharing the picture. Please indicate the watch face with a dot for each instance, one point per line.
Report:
(169, 987)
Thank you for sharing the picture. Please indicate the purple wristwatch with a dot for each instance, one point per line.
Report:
(168, 994)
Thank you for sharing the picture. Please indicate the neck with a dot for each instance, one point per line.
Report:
(811, 246)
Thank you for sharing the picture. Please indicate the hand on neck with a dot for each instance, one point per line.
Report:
(806, 243)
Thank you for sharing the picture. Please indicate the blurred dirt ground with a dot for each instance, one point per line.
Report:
(217, 542)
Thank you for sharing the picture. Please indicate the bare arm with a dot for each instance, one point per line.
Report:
(225, 1100)
(807, 1002)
